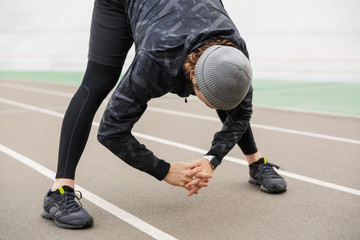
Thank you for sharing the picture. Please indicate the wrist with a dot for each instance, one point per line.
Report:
(161, 170)
(212, 160)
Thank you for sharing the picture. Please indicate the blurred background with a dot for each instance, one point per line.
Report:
(298, 49)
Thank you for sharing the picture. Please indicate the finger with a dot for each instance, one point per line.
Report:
(192, 183)
(199, 182)
(188, 178)
(194, 171)
(203, 175)
(189, 188)
(202, 184)
(192, 191)
(194, 164)
(198, 186)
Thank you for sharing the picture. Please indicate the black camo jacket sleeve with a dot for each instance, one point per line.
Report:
(233, 128)
(126, 106)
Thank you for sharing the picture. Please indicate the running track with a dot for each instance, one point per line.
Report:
(318, 154)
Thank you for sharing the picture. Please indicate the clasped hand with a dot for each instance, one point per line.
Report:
(191, 176)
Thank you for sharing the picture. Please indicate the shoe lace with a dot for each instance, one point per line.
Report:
(70, 201)
(266, 169)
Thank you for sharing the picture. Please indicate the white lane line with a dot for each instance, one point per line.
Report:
(290, 109)
(22, 111)
(195, 116)
(199, 150)
(277, 129)
(183, 114)
(308, 134)
(37, 90)
(243, 162)
(32, 108)
(98, 201)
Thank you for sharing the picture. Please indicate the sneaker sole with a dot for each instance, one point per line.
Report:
(271, 189)
(86, 224)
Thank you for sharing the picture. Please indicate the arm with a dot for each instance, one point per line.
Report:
(125, 108)
(235, 123)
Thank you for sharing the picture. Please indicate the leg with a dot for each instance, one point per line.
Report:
(110, 40)
(78, 119)
(248, 146)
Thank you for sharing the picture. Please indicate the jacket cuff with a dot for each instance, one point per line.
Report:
(214, 153)
(160, 171)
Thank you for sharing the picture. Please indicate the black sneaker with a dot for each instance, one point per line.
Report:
(62, 207)
(263, 174)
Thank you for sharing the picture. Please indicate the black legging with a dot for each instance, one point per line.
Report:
(109, 27)
(98, 81)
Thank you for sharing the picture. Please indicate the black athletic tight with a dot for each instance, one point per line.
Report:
(98, 81)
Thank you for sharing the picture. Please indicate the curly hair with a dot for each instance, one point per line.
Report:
(192, 58)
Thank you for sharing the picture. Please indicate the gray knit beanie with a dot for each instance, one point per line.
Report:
(223, 75)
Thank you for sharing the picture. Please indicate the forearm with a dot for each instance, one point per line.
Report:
(236, 130)
(226, 139)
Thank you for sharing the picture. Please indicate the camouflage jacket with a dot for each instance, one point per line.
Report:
(164, 33)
